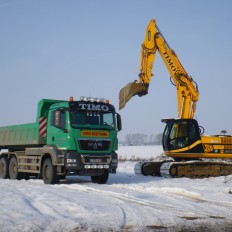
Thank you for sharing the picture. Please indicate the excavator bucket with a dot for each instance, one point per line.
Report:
(130, 90)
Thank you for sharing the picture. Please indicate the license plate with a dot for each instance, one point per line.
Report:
(95, 160)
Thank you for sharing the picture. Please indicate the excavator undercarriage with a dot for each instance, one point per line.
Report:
(190, 169)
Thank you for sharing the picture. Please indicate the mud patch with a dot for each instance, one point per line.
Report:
(156, 227)
(190, 218)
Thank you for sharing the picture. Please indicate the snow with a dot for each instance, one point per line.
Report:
(139, 152)
(128, 202)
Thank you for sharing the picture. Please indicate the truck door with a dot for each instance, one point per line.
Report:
(58, 132)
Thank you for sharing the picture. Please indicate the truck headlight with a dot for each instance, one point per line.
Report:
(71, 160)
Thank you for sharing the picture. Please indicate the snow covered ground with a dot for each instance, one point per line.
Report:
(127, 202)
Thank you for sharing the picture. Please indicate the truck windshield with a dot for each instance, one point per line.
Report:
(92, 119)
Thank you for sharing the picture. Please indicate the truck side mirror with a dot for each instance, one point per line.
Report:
(119, 122)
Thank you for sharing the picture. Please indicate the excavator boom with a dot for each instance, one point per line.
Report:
(147, 58)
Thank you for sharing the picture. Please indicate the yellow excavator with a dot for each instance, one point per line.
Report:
(193, 154)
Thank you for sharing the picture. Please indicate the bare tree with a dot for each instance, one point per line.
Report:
(158, 139)
(138, 139)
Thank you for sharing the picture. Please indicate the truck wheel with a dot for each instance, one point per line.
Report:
(101, 179)
(49, 173)
(4, 168)
(13, 169)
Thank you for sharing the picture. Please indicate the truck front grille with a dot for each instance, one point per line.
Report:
(94, 145)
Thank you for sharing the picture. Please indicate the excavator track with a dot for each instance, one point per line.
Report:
(190, 169)
(149, 168)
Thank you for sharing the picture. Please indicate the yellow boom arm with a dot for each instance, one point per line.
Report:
(187, 91)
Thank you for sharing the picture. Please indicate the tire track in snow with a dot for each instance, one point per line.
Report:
(162, 207)
(131, 208)
(128, 198)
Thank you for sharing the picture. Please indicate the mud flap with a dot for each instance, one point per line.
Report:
(130, 90)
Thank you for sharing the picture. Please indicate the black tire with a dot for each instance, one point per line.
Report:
(62, 177)
(24, 176)
(13, 169)
(4, 168)
(49, 173)
(101, 179)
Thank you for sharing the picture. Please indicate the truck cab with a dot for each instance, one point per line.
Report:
(85, 132)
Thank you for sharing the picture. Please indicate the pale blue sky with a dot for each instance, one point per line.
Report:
(56, 49)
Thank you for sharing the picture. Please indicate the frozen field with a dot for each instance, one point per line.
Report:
(139, 152)
(126, 203)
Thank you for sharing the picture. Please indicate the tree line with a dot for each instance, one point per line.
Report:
(139, 139)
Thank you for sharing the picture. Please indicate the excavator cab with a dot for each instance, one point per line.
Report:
(181, 135)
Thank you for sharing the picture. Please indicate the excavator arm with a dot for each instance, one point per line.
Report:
(187, 90)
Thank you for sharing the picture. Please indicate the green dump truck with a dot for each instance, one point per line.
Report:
(68, 138)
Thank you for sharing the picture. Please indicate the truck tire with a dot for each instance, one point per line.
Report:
(13, 169)
(49, 173)
(101, 179)
(4, 168)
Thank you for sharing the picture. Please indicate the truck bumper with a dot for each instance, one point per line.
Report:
(90, 164)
